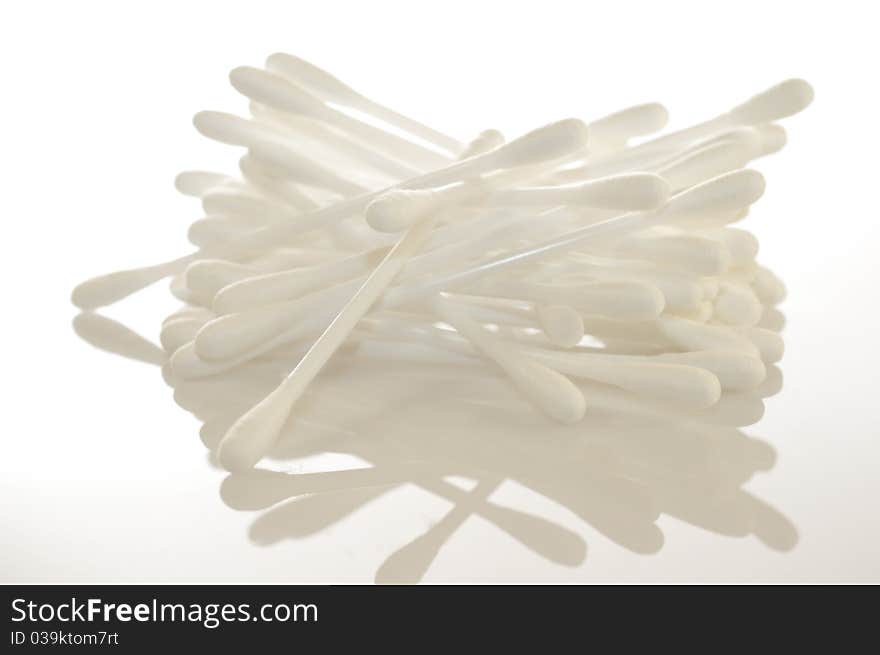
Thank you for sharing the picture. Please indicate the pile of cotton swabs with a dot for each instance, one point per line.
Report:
(337, 230)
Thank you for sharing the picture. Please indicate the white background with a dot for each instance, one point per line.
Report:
(104, 477)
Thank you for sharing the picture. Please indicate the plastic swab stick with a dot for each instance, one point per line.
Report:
(195, 183)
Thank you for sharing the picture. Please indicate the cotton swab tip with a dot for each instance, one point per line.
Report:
(779, 101)
(545, 143)
(628, 192)
(726, 193)
(107, 289)
(252, 435)
(396, 210)
(773, 138)
(310, 75)
(562, 324)
(275, 91)
(486, 141)
(630, 122)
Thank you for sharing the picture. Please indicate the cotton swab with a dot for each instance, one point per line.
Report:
(633, 301)
(484, 142)
(705, 163)
(552, 392)
(303, 170)
(234, 130)
(562, 324)
(687, 252)
(254, 291)
(768, 287)
(735, 371)
(107, 334)
(555, 141)
(634, 192)
(741, 245)
(233, 332)
(245, 205)
(679, 333)
(328, 87)
(625, 191)
(681, 291)
(614, 130)
(296, 127)
(667, 382)
(176, 334)
(737, 305)
(274, 187)
(249, 438)
(252, 434)
(196, 183)
(717, 196)
(280, 93)
(768, 343)
(779, 101)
